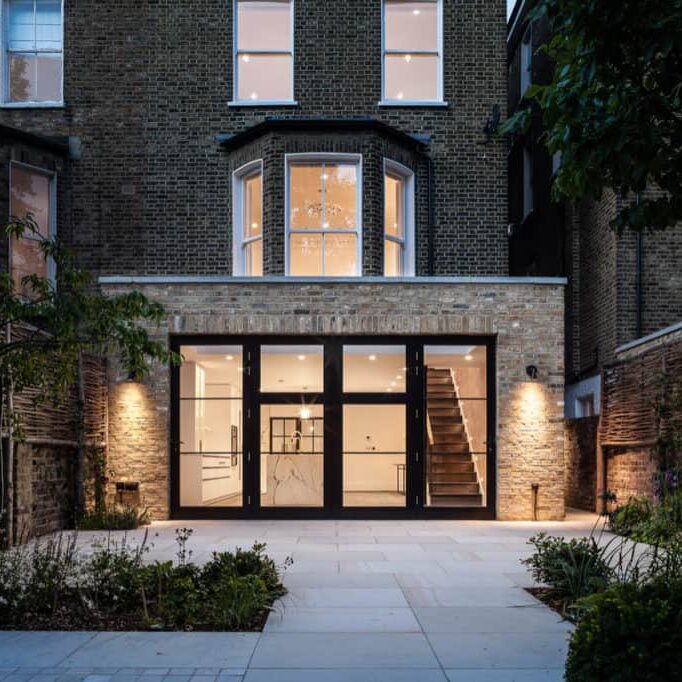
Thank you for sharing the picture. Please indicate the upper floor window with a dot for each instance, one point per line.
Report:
(398, 220)
(31, 191)
(33, 52)
(264, 52)
(526, 66)
(324, 215)
(412, 51)
(248, 220)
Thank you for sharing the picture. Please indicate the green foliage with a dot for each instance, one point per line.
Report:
(629, 632)
(613, 108)
(48, 585)
(65, 317)
(624, 520)
(113, 518)
(572, 569)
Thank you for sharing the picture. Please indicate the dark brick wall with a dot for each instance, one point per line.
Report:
(629, 473)
(147, 86)
(580, 453)
(44, 488)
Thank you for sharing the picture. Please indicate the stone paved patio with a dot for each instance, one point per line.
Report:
(368, 601)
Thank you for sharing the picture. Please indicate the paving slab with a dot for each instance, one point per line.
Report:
(336, 675)
(25, 649)
(344, 650)
(354, 619)
(506, 675)
(154, 649)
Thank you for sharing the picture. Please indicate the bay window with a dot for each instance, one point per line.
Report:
(412, 51)
(33, 52)
(264, 52)
(398, 220)
(324, 215)
(248, 220)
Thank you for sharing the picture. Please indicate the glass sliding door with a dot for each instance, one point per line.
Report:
(211, 462)
(456, 395)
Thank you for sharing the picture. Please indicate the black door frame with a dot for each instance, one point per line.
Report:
(333, 400)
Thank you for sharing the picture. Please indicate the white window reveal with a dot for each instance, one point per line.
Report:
(248, 220)
(324, 215)
(398, 220)
(33, 52)
(264, 52)
(412, 52)
(526, 66)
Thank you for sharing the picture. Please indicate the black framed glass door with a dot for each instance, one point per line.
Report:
(333, 427)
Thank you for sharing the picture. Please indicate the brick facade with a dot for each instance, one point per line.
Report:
(527, 320)
(581, 463)
(146, 89)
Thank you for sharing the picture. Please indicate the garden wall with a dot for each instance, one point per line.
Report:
(630, 428)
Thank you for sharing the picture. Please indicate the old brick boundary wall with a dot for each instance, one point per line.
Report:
(627, 432)
(580, 449)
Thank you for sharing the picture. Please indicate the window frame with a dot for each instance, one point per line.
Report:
(239, 241)
(320, 158)
(406, 175)
(52, 213)
(236, 53)
(5, 102)
(526, 62)
(439, 101)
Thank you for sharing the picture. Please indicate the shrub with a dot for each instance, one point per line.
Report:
(114, 518)
(625, 519)
(629, 632)
(48, 585)
(572, 569)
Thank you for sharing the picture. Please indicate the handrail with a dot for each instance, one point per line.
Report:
(466, 426)
(429, 432)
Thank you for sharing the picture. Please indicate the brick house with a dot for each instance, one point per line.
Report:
(621, 288)
(313, 192)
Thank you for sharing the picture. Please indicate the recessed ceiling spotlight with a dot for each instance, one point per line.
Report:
(393, 383)
(304, 413)
(301, 357)
(408, 58)
(245, 58)
(254, 95)
(416, 12)
(400, 95)
(469, 357)
(389, 390)
(229, 357)
(372, 357)
(399, 377)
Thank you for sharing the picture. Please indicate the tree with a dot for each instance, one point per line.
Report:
(48, 323)
(613, 108)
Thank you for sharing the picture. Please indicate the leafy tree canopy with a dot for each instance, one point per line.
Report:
(613, 108)
(56, 319)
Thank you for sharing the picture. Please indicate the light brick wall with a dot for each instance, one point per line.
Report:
(526, 318)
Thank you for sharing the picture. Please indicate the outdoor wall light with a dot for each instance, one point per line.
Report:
(132, 378)
(304, 413)
(532, 372)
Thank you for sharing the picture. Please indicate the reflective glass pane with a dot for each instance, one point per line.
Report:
(211, 462)
(374, 459)
(340, 255)
(292, 456)
(49, 79)
(26, 259)
(20, 31)
(393, 258)
(48, 25)
(264, 25)
(411, 25)
(394, 206)
(22, 78)
(411, 77)
(265, 77)
(292, 369)
(376, 369)
(211, 372)
(340, 192)
(305, 196)
(456, 426)
(305, 255)
(253, 205)
(253, 258)
(30, 193)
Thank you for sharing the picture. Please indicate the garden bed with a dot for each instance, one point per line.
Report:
(52, 585)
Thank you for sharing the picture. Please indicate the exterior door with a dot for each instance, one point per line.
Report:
(333, 427)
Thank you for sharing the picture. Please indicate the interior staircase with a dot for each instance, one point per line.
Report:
(451, 474)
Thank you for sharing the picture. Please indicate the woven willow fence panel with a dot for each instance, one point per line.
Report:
(629, 389)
